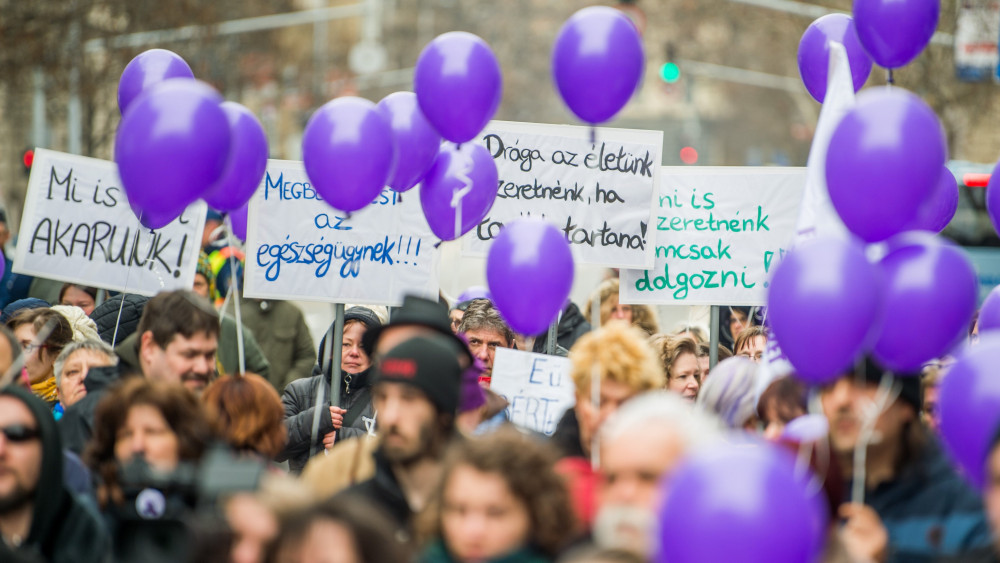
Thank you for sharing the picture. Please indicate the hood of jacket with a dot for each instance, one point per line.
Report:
(50, 494)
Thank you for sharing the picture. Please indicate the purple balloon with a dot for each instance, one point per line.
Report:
(416, 140)
(238, 221)
(895, 31)
(969, 403)
(474, 292)
(597, 62)
(454, 169)
(458, 85)
(146, 70)
(814, 53)
(172, 145)
(993, 198)
(348, 153)
(247, 160)
(823, 305)
(746, 504)
(884, 161)
(989, 313)
(926, 278)
(807, 428)
(156, 218)
(938, 211)
(530, 249)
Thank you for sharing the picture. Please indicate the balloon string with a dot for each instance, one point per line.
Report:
(889, 77)
(459, 194)
(236, 297)
(888, 391)
(128, 273)
(593, 134)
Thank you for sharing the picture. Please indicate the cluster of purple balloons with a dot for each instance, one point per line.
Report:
(828, 304)
(179, 142)
(889, 32)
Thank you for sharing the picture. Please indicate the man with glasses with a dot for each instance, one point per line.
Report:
(39, 517)
(485, 330)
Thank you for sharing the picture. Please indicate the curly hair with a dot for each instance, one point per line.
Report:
(247, 413)
(669, 348)
(621, 353)
(527, 467)
(643, 316)
(179, 408)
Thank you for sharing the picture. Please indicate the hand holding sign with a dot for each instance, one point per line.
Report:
(172, 145)
(146, 70)
(246, 164)
(348, 153)
(597, 62)
(530, 273)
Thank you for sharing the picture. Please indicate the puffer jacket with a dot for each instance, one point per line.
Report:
(299, 400)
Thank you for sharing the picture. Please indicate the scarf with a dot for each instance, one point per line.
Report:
(46, 389)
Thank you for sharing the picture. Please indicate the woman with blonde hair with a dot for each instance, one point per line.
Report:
(640, 316)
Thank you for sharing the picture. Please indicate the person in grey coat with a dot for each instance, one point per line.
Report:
(353, 417)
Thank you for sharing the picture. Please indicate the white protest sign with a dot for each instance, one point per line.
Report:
(298, 247)
(538, 388)
(599, 194)
(77, 227)
(719, 231)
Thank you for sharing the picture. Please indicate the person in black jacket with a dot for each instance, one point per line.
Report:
(353, 417)
(39, 517)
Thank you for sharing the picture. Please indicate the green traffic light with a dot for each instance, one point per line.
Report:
(670, 72)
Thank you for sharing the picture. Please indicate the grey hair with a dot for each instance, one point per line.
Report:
(730, 392)
(666, 410)
(482, 314)
(89, 344)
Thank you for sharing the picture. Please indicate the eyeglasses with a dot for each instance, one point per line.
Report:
(30, 347)
(18, 433)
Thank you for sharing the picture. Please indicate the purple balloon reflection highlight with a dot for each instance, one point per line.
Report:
(894, 32)
(530, 249)
(145, 71)
(458, 85)
(597, 62)
(415, 139)
(247, 160)
(969, 403)
(751, 497)
(454, 169)
(826, 279)
(814, 53)
(348, 152)
(926, 277)
(172, 145)
(884, 161)
(938, 211)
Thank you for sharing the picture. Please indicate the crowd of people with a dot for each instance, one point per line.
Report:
(129, 432)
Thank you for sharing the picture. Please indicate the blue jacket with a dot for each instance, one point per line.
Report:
(930, 512)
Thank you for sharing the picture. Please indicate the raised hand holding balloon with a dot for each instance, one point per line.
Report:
(146, 70)
(529, 270)
(597, 62)
(172, 145)
(247, 160)
(348, 152)
(814, 53)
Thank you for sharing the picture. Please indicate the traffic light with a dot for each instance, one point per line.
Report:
(27, 158)
(669, 71)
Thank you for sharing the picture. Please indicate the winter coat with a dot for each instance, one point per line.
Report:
(281, 332)
(438, 553)
(571, 327)
(383, 491)
(299, 400)
(64, 529)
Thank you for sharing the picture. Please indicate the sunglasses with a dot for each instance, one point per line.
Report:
(18, 433)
